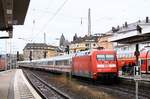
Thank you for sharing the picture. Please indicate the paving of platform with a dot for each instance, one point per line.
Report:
(14, 85)
(144, 77)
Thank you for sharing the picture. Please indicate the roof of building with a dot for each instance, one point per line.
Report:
(86, 38)
(40, 46)
(136, 32)
(127, 27)
(12, 12)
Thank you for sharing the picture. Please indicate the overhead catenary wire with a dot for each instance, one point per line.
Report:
(35, 17)
(51, 18)
(54, 15)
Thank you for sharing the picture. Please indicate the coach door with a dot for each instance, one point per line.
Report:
(148, 65)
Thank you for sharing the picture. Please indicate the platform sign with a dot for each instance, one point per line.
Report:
(137, 73)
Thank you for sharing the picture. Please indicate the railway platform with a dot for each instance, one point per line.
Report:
(144, 77)
(14, 85)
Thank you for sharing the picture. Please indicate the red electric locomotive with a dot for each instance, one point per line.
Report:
(95, 64)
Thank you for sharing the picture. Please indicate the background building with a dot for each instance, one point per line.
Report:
(63, 43)
(84, 43)
(103, 41)
(39, 50)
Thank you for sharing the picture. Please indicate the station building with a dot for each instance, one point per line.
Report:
(135, 32)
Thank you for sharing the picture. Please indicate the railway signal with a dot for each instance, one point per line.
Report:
(137, 77)
(17, 55)
(137, 73)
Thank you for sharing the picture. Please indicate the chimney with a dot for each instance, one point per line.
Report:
(126, 25)
(123, 25)
(113, 29)
(147, 19)
(89, 22)
(118, 28)
(139, 29)
(139, 21)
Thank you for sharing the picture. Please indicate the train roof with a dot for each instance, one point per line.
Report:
(61, 57)
(125, 52)
(23, 61)
(89, 52)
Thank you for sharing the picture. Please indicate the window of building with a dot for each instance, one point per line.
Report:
(87, 45)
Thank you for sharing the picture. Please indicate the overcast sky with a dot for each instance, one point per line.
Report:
(55, 17)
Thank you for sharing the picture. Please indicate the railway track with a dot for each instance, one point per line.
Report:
(121, 91)
(143, 88)
(127, 91)
(46, 90)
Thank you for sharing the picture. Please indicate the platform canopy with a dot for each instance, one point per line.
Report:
(134, 33)
(12, 12)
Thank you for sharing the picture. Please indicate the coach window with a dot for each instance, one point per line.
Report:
(125, 55)
(148, 65)
(45, 63)
(142, 61)
(130, 55)
(87, 45)
(58, 62)
(119, 56)
(61, 62)
(50, 62)
(66, 62)
(41, 62)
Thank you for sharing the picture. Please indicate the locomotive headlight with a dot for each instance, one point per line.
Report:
(100, 65)
(112, 65)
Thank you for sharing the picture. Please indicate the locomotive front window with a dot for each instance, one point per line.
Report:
(105, 57)
(109, 57)
(100, 57)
